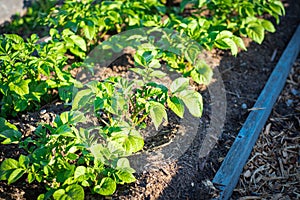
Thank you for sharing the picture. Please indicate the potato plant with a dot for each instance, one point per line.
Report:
(213, 24)
(65, 160)
(69, 158)
(28, 71)
(228, 21)
(9, 133)
(73, 154)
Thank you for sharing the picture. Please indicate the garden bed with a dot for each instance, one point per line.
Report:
(272, 170)
(189, 178)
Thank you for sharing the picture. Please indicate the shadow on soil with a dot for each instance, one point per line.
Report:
(244, 77)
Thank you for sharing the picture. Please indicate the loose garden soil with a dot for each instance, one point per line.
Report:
(273, 169)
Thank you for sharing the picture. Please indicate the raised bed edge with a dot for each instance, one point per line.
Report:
(228, 174)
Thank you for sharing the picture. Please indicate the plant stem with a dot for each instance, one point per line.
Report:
(136, 113)
(141, 120)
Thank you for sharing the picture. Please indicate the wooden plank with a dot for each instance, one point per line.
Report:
(228, 175)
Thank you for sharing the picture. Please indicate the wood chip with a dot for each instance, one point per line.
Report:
(247, 174)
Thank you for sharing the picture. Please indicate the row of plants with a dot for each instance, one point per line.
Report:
(56, 152)
(77, 26)
(212, 23)
(72, 153)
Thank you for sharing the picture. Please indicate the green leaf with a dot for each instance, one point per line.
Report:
(72, 25)
(97, 151)
(15, 175)
(134, 142)
(193, 25)
(277, 7)
(249, 11)
(14, 37)
(193, 101)
(23, 161)
(81, 99)
(64, 173)
(224, 34)
(39, 90)
(5, 125)
(75, 192)
(191, 52)
(79, 41)
(183, 3)
(130, 140)
(157, 113)
(255, 32)
(98, 103)
(60, 194)
(4, 89)
(80, 171)
(65, 93)
(67, 32)
(53, 32)
(157, 74)
(268, 25)
(70, 117)
(51, 83)
(123, 163)
(239, 42)
(106, 187)
(179, 85)
(11, 136)
(231, 44)
(21, 88)
(227, 43)
(41, 197)
(154, 64)
(72, 156)
(59, 74)
(76, 117)
(202, 73)
(77, 52)
(126, 176)
(140, 60)
(280, 4)
(176, 105)
(89, 31)
(64, 130)
(40, 154)
(4, 175)
(85, 183)
(111, 105)
(139, 71)
(30, 178)
(20, 105)
(9, 164)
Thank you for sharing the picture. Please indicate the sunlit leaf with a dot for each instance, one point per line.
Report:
(106, 187)
(157, 113)
(176, 105)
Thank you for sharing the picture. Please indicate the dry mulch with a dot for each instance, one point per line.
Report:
(273, 170)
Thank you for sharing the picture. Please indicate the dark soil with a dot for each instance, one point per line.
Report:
(189, 177)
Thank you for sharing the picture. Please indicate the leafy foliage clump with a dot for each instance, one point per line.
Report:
(72, 153)
(28, 70)
(214, 24)
(66, 160)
